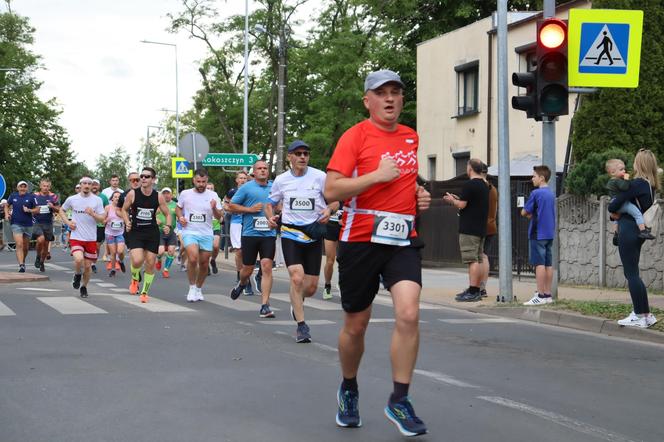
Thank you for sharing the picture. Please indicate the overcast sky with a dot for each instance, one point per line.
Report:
(109, 84)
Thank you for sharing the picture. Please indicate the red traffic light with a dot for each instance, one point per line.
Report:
(552, 33)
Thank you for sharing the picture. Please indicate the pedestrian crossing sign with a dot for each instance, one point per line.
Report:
(181, 168)
(604, 47)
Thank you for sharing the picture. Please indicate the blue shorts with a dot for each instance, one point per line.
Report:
(25, 230)
(117, 239)
(204, 242)
(540, 252)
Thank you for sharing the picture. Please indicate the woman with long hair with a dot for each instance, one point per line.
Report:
(641, 192)
(115, 234)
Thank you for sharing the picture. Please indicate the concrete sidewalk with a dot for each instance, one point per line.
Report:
(440, 286)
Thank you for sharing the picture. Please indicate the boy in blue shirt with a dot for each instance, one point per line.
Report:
(541, 210)
(21, 205)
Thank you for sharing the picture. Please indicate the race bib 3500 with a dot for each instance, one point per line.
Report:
(300, 204)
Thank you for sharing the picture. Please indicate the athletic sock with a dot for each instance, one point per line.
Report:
(400, 392)
(238, 276)
(349, 384)
(169, 261)
(544, 295)
(328, 286)
(473, 289)
(135, 272)
(147, 282)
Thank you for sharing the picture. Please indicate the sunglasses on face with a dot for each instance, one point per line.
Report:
(302, 153)
(146, 177)
(134, 180)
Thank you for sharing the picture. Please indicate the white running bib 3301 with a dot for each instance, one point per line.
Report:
(392, 229)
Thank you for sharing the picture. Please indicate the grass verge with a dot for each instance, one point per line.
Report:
(608, 310)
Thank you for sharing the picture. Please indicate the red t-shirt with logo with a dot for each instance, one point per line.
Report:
(359, 152)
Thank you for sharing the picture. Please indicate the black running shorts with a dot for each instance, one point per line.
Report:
(101, 234)
(361, 264)
(252, 246)
(43, 229)
(333, 231)
(144, 239)
(308, 255)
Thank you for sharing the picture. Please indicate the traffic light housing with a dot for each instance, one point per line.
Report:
(551, 55)
(528, 102)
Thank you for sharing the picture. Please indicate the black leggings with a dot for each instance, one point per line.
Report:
(629, 247)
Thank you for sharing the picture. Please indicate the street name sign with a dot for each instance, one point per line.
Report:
(604, 47)
(181, 168)
(230, 159)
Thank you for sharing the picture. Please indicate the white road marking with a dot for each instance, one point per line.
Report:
(71, 272)
(6, 311)
(96, 280)
(479, 321)
(106, 284)
(293, 323)
(559, 419)
(387, 300)
(48, 265)
(36, 289)
(153, 305)
(445, 379)
(380, 320)
(309, 302)
(120, 290)
(239, 304)
(248, 324)
(68, 305)
(324, 347)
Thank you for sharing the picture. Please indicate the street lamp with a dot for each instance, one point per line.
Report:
(177, 108)
(147, 142)
(281, 95)
(245, 116)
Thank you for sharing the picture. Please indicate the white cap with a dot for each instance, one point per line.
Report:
(22, 182)
(95, 180)
(166, 189)
(4, 201)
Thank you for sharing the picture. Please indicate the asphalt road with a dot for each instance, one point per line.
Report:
(109, 369)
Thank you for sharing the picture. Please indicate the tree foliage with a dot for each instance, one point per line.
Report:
(117, 163)
(32, 142)
(589, 176)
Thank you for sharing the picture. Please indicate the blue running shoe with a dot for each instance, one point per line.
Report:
(237, 291)
(248, 290)
(403, 416)
(348, 414)
(303, 334)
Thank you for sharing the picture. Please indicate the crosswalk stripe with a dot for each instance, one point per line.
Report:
(239, 304)
(291, 322)
(6, 311)
(478, 321)
(96, 280)
(106, 284)
(48, 265)
(120, 290)
(153, 305)
(68, 305)
(309, 302)
(387, 300)
(38, 289)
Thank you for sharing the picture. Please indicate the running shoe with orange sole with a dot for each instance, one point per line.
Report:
(165, 274)
(158, 265)
(144, 298)
(117, 266)
(108, 265)
(133, 287)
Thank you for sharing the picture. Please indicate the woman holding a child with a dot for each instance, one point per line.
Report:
(641, 192)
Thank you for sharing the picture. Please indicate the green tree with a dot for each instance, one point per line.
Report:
(628, 119)
(117, 163)
(589, 176)
(32, 143)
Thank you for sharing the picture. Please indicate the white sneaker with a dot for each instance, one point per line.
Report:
(651, 320)
(633, 321)
(199, 294)
(536, 300)
(192, 295)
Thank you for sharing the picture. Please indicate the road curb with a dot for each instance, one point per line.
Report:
(10, 277)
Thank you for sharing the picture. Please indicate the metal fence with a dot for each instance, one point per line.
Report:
(439, 226)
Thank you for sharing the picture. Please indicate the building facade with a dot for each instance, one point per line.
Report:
(457, 96)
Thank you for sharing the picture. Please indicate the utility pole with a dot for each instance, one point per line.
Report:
(281, 98)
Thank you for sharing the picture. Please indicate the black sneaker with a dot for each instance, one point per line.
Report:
(303, 335)
(461, 295)
(213, 265)
(76, 282)
(122, 267)
(21, 268)
(94, 268)
(84, 292)
(111, 274)
(41, 266)
(348, 413)
(483, 293)
(403, 416)
(266, 311)
(37, 262)
(615, 239)
(645, 234)
(236, 291)
(248, 290)
(470, 297)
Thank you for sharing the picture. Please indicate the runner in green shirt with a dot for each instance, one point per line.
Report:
(168, 242)
(101, 236)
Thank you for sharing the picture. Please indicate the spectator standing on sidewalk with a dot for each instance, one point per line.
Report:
(491, 229)
(473, 205)
(541, 210)
(642, 192)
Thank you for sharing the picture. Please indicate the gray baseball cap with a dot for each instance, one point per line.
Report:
(378, 78)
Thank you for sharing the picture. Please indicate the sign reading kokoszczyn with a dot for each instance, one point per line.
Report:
(230, 159)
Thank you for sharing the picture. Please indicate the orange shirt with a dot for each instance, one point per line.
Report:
(359, 152)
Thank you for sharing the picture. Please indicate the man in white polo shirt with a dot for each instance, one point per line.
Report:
(195, 210)
(86, 211)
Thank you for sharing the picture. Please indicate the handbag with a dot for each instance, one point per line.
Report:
(652, 215)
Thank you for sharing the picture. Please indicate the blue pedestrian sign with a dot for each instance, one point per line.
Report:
(181, 168)
(604, 48)
(3, 186)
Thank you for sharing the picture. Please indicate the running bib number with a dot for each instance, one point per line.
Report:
(43, 210)
(392, 230)
(197, 217)
(144, 214)
(116, 225)
(302, 204)
(260, 224)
